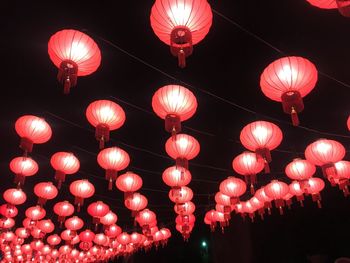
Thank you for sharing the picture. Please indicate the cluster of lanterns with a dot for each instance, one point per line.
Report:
(175, 104)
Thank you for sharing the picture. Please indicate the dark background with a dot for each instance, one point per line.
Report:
(228, 63)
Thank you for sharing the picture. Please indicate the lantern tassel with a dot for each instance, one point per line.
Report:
(266, 167)
(110, 184)
(181, 58)
(319, 205)
(295, 118)
(281, 210)
(102, 143)
(252, 190)
(66, 86)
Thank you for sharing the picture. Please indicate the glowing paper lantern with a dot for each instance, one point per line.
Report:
(81, 189)
(53, 240)
(113, 160)
(74, 224)
(175, 177)
(342, 176)
(112, 231)
(233, 187)
(63, 209)
(45, 191)
(315, 186)
(14, 196)
(325, 153)
(181, 24)
(261, 137)
(209, 219)
(23, 167)
(46, 226)
(105, 116)
(174, 104)
(186, 208)
(32, 130)
(300, 170)
(109, 219)
(136, 202)
(145, 219)
(324, 4)
(248, 165)
(64, 163)
(276, 190)
(288, 80)
(35, 213)
(128, 183)
(8, 211)
(97, 210)
(181, 195)
(296, 190)
(74, 54)
(182, 148)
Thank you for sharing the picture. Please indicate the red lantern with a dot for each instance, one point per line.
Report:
(46, 226)
(174, 104)
(113, 160)
(276, 190)
(145, 219)
(296, 190)
(97, 210)
(210, 219)
(324, 4)
(181, 195)
(105, 116)
(315, 186)
(233, 187)
(300, 169)
(74, 224)
(8, 211)
(248, 165)
(112, 231)
(32, 130)
(6, 223)
(175, 177)
(221, 219)
(64, 163)
(53, 240)
(222, 199)
(63, 209)
(325, 153)
(74, 54)
(124, 238)
(342, 176)
(35, 213)
(182, 148)
(288, 80)
(100, 239)
(87, 236)
(181, 24)
(45, 191)
(14, 196)
(128, 183)
(109, 219)
(37, 245)
(136, 202)
(261, 137)
(186, 208)
(81, 189)
(23, 167)
(136, 238)
(22, 232)
(249, 209)
(258, 206)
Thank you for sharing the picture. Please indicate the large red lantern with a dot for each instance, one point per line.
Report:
(342, 176)
(109, 219)
(14, 196)
(35, 213)
(233, 187)
(325, 153)
(261, 137)
(222, 199)
(74, 54)
(174, 104)
(300, 170)
(97, 210)
(32, 130)
(64, 163)
(276, 190)
(288, 80)
(86, 237)
(210, 219)
(105, 116)
(128, 183)
(181, 195)
(23, 167)
(175, 177)
(46, 226)
(8, 211)
(81, 189)
(145, 219)
(248, 165)
(113, 160)
(74, 224)
(45, 191)
(297, 190)
(182, 148)
(324, 4)
(186, 208)
(124, 238)
(314, 187)
(136, 202)
(53, 240)
(112, 231)
(6, 223)
(63, 209)
(181, 24)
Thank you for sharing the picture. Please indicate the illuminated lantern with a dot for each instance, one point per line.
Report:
(22, 232)
(145, 218)
(300, 170)
(14, 196)
(32, 130)
(74, 224)
(296, 190)
(28, 223)
(248, 165)
(249, 209)
(113, 160)
(261, 195)
(233, 187)
(181, 195)
(109, 219)
(181, 24)
(136, 238)
(64, 163)
(100, 239)
(325, 153)
(35, 213)
(209, 219)
(277, 190)
(315, 186)
(261, 137)
(124, 239)
(63, 209)
(174, 104)
(288, 80)
(182, 148)
(8, 211)
(6, 223)
(112, 231)
(175, 177)
(53, 240)
(136, 203)
(324, 4)
(23, 167)
(258, 206)
(37, 245)
(45, 191)
(86, 237)
(97, 210)
(185, 208)
(342, 176)
(105, 116)
(46, 226)
(81, 189)
(128, 183)
(74, 54)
